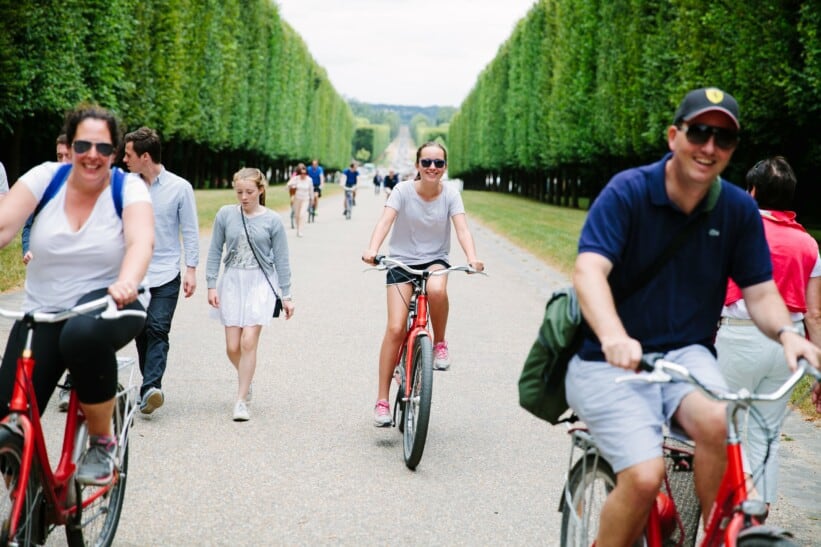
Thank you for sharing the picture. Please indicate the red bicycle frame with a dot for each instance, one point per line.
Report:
(24, 416)
(419, 326)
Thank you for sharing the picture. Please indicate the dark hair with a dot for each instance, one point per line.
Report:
(145, 140)
(84, 111)
(254, 175)
(429, 144)
(774, 182)
(62, 139)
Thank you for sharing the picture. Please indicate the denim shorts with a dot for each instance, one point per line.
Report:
(626, 420)
(397, 276)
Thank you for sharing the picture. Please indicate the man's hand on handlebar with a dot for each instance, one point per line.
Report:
(622, 351)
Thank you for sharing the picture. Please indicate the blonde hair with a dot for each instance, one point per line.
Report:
(254, 175)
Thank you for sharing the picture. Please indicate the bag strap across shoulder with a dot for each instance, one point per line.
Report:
(60, 177)
(254, 252)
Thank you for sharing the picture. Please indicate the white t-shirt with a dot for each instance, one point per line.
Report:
(67, 264)
(304, 187)
(421, 231)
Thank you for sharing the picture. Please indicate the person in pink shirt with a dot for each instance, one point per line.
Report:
(746, 356)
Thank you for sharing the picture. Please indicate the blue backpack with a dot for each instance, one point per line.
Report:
(117, 179)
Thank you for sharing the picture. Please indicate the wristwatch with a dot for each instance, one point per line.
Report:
(789, 328)
(287, 298)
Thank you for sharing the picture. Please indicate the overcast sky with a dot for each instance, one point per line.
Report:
(406, 52)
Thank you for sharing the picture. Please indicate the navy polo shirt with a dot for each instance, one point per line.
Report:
(633, 221)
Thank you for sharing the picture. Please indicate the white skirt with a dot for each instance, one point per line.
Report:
(245, 298)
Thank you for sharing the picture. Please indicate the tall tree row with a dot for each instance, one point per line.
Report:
(225, 82)
(583, 88)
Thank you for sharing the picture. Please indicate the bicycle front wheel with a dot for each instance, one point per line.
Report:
(95, 522)
(30, 526)
(588, 484)
(417, 408)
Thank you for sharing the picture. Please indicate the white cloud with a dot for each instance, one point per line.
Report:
(411, 52)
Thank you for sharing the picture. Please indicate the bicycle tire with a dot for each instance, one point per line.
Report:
(30, 528)
(417, 408)
(590, 481)
(96, 524)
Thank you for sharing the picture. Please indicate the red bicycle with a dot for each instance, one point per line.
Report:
(735, 518)
(36, 499)
(414, 363)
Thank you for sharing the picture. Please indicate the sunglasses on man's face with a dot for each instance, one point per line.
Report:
(426, 162)
(103, 148)
(699, 134)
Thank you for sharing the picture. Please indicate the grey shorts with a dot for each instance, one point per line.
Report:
(627, 419)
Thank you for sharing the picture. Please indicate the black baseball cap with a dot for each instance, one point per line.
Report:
(706, 99)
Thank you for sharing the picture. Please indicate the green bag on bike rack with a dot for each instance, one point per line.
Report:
(541, 384)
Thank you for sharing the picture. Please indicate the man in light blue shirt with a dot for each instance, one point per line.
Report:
(175, 213)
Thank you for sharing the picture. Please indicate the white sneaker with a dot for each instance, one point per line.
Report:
(241, 412)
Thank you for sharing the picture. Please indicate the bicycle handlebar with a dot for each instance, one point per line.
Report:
(385, 263)
(659, 370)
(106, 303)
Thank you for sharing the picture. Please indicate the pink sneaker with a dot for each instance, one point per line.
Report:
(441, 358)
(382, 414)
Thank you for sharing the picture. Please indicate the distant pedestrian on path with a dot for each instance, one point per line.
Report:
(175, 214)
(303, 188)
(317, 174)
(351, 178)
(249, 235)
(377, 182)
(749, 359)
(391, 180)
(420, 213)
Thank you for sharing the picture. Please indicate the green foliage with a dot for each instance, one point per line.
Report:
(583, 88)
(226, 82)
(373, 139)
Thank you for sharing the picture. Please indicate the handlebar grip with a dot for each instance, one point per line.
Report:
(646, 365)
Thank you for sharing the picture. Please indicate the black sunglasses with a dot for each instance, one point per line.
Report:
(699, 134)
(425, 162)
(103, 148)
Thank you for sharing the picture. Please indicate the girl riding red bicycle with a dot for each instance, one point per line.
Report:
(419, 212)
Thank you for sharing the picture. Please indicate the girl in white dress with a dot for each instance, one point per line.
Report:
(243, 299)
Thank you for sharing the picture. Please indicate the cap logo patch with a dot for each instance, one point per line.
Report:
(714, 95)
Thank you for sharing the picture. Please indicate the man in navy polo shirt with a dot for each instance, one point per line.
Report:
(637, 216)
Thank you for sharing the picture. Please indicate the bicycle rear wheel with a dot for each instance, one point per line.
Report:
(96, 520)
(417, 408)
(588, 484)
(30, 526)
